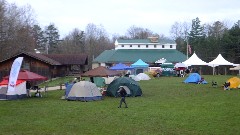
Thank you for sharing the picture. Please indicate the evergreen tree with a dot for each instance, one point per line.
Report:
(52, 36)
(40, 40)
(196, 35)
(231, 44)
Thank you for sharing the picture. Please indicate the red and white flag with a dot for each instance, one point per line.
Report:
(189, 49)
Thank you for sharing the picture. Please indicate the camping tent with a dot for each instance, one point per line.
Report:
(234, 82)
(28, 76)
(83, 91)
(19, 92)
(121, 66)
(99, 81)
(194, 78)
(101, 72)
(133, 86)
(141, 76)
(219, 61)
(194, 60)
(140, 66)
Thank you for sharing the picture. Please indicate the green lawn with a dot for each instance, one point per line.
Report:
(167, 106)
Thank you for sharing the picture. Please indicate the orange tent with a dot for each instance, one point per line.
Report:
(234, 82)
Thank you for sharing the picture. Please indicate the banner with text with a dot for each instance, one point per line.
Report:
(14, 74)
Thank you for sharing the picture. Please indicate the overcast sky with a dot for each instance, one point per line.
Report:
(118, 15)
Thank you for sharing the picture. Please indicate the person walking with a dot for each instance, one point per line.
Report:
(123, 94)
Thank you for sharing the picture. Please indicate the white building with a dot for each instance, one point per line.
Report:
(150, 43)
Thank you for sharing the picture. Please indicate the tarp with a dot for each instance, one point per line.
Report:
(101, 72)
(194, 60)
(132, 85)
(28, 76)
(194, 78)
(120, 66)
(235, 68)
(140, 63)
(19, 92)
(234, 82)
(83, 91)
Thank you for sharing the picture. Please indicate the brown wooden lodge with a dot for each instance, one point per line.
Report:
(48, 65)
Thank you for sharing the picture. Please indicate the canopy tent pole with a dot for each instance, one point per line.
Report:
(213, 70)
(225, 71)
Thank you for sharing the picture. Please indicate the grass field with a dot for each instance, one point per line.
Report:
(167, 106)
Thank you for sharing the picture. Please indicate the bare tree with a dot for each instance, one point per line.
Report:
(96, 41)
(138, 33)
(15, 28)
(73, 43)
(179, 32)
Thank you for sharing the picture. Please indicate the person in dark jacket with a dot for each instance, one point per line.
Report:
(28, 87)
(123, 94)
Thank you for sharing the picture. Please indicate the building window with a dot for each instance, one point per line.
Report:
(146, 46)
(170, 46)
(130, 45)
(138, 46)
(163, 46)
(122, 45)
(155, 46)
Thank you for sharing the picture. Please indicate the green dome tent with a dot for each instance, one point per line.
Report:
(132, 87)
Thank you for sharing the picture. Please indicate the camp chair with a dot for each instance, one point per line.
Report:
(37, 93)
(181, 73)
(226, 86)
(214, 84)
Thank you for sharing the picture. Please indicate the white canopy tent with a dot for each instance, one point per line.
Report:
(177, 65)
(236, 68)
(219, 61)
(194, 60)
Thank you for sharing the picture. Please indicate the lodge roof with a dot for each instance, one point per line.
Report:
(54, 59)
(69, 59)
(132, 55)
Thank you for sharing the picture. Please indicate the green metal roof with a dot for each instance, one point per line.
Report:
(122, 41)
(104, 56)
(147, 55)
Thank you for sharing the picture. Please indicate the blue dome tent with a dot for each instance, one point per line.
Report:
(195, 78)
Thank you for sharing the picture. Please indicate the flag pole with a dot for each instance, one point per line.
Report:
(187, 48)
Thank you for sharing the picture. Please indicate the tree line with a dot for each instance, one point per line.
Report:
(208, 40)
(19, 31)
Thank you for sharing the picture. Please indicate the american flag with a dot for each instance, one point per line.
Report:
(189, 49)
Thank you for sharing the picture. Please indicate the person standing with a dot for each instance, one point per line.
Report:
(123, 94)
(28, 87)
